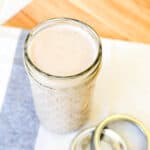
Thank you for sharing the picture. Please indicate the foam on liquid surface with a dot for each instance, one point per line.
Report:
(63, 50)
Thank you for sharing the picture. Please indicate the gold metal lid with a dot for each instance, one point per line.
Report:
(84, 140)
(114, 118)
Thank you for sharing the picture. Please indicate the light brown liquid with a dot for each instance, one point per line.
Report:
(63, 50)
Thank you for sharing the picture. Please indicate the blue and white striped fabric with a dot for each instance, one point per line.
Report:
(122, 87)
(18, 122)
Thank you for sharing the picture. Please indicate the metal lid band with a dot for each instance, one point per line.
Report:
(108, 136)
(103, 124)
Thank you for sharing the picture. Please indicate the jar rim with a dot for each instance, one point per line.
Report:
(45, 24)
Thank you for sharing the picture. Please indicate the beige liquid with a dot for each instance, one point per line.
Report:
(63, 50)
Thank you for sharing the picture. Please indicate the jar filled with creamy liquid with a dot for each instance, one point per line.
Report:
(62, 58)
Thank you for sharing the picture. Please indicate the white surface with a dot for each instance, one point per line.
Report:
(9, 8)
(8, 43)
(123, 84)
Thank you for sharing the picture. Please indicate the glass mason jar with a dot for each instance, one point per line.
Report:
(62, 103)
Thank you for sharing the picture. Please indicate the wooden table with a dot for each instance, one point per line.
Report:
(128, 19)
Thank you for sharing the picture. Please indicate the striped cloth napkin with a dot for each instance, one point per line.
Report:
(123, 86)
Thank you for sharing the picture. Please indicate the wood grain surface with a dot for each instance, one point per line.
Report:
(117, 19)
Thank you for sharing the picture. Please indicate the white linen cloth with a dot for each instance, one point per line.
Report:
(123, 86)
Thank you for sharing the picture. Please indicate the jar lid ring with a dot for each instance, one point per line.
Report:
(114, 118)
